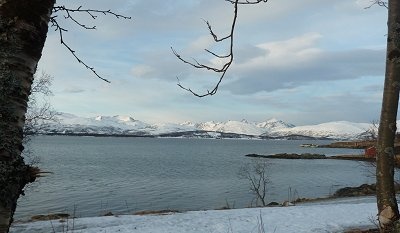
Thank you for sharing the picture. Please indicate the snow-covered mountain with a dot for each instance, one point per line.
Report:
(237, 127)
(274, 124)
(272, 128)
(70, 124)
(333, 130)
(109, 125)
(244, 127)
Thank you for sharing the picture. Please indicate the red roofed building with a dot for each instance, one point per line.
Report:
(370, 152)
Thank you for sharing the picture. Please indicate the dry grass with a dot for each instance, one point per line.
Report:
(156, 212)
(50, 217)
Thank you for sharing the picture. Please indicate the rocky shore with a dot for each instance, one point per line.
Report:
(289, 156)
(362, 190)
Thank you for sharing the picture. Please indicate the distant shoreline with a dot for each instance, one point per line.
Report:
(192, 134)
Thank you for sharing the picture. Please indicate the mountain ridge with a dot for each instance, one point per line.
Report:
(119, 125)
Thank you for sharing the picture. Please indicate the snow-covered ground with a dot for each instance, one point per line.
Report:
(328, 217)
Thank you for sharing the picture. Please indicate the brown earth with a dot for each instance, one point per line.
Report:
(50, 217)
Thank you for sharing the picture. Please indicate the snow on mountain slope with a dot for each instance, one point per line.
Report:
(126, 125)
(238, 127)
(68, 123)
(334, 130)
(171, 127)
(122, 122)
(274, 124)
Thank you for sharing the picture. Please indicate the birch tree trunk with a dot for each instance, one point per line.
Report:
(388, 213)
(23, 30)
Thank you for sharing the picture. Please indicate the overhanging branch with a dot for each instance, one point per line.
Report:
(229, 57)
(69, 14)
(379, 3)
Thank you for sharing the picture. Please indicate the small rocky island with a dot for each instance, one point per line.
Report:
(289, 156)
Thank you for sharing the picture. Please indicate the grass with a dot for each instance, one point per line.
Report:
(156, 212)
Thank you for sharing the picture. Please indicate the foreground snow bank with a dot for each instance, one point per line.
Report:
(297, 219)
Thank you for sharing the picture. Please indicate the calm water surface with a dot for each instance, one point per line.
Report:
(95, 175)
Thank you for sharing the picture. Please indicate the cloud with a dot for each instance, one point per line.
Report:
(284, 53)
(246, 52)
(298, 61)
(373, 88)
(73, 90)
(203, 42)
(142, 71)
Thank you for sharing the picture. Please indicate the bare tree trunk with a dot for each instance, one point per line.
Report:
(388, 213)
(23, 30)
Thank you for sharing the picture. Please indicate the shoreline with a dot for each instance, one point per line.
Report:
(308, 156)
(297, 202)
(303, 219)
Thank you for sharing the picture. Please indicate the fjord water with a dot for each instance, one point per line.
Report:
(94, 175)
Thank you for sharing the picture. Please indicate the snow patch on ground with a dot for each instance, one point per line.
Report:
(297, 219)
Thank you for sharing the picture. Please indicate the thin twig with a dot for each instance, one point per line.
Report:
(379, 3)
(222, 70)
(246, 2)
(69, 14)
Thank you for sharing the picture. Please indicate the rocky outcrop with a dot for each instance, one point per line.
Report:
(362, 190)
(289, 156)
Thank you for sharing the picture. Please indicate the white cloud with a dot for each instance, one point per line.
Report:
(141, 71)
(298, 61)
(285, 53)
(201, 43)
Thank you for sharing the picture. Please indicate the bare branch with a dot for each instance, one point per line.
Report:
(92, 13)
(216, 39)
(221, 71)
(257, 175)
(70, 14)
(379, 3)
(246, 2)
(372, 132)
(197, 64)
(216, 55)
(41, 85)
(39, 111)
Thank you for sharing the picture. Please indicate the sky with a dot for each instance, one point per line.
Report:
(304, 62)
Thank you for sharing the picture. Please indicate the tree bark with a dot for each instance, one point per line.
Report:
(388, 213)
(23, 30)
